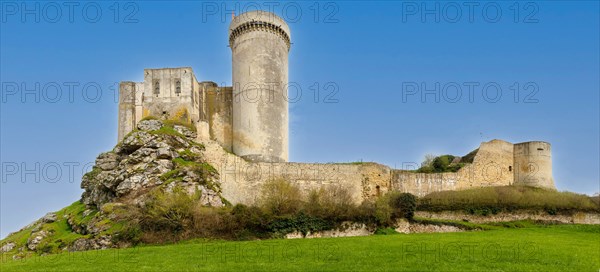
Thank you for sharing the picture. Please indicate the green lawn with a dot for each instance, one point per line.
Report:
(552, 248)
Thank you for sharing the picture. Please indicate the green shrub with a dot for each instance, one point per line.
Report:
(249, 218)
(333, 203)
(129, 232)
(279, 197)
(168, 211)
(403, 204)
(383, 211)
(440, 163)
(301, 222)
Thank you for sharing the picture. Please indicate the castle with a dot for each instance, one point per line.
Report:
(249, 124)
(250, 118)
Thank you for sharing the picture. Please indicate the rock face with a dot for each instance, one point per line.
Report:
(149, 125)
(88, 244)
(7, 247)
(156, 158)
(347, 229)
(147, 158)
(35, 239)
(49, 218)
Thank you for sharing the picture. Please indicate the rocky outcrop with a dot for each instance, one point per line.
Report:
(49, 218)
(35, 239)
(7, 247)
(151, 156)
(83, 244)
(150, 125)
(157, 157)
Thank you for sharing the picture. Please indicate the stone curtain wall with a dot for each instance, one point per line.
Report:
(242, 181)
(492, 166)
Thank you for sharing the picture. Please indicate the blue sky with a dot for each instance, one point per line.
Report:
(367, 52)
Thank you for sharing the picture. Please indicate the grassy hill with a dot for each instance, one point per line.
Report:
(532, 248)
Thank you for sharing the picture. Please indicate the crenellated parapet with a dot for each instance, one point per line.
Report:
(259, 26)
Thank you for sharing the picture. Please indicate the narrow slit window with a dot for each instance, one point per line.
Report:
(156, 88)
(178, 87)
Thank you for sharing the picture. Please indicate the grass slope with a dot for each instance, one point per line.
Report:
(533, 248)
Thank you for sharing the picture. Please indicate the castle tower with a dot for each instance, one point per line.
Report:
(533, 164)
(260, 42)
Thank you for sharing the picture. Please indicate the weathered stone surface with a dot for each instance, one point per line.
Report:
(185, 131)
(49, 218)
(107, 161)
(347, 229)
(421, 228)
(35, 239)
(7, 247)
(402, 226)
(209, 197)
(149, 125)
(83, 244)
(139, 162)
(164, 153)
(133, 142)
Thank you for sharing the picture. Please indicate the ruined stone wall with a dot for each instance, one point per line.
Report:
(170, 93)
(220, 116)
(492, 166)
(242, 180)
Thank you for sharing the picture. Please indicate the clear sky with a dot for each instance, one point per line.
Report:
(365, 58)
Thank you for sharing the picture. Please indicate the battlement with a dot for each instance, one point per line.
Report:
(260, 17)
(259, 26)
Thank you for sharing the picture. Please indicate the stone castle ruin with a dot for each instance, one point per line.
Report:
(245, 127)
(249, 118)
